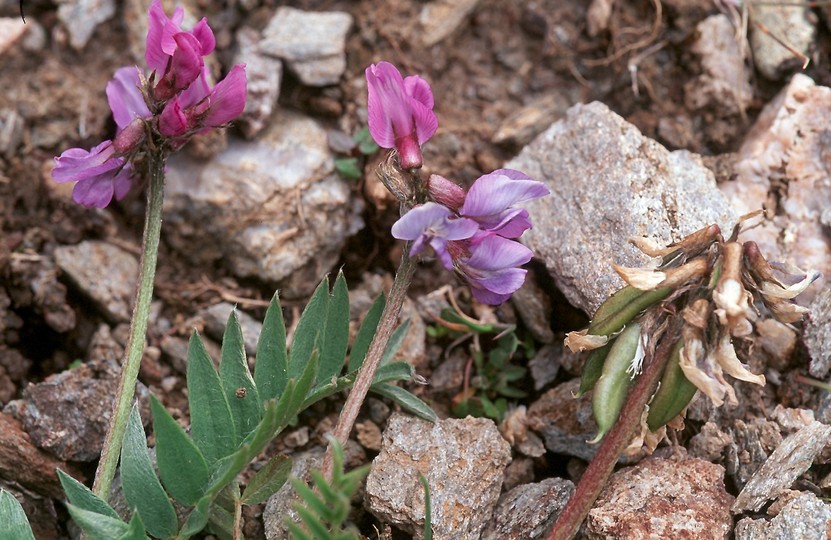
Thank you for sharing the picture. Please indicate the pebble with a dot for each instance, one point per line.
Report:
(817, 334)
(527, 512)
(216, 316)
(545, 365)
(463, 461)
(804, 516)
(790, 459)
(103, 272)
(311, 43)
(786, 152)
(646, 191)
(82, 17)
(534, 308)
(565, 423)
(669, 495)
(532, 119)
(789, 23)
(440, 18)
(264, 75)
(11, 29)
(272, 209)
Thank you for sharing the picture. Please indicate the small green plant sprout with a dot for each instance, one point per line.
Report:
(234, 415)
(490, 374)
(324, 510)
(354, 151)
(13, 522)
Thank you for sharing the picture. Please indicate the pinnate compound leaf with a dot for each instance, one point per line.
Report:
(237, 381)
(268, 480)
(212, 425)
(142, 489)
(82, 497)
(13, 522)
(365, 334)
(407, 400)
(181, 464)
(271, 371)
(312, 323)
(334, 342)
(97, 526)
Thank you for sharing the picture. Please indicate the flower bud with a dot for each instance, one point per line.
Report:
(446, 192)
(129, 138)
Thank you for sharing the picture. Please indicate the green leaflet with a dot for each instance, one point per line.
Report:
(312, 323)
(365, 334)
(237, 382)
(197, 519)
(142, 489)
(82, 497)
(212, 425)
(271, 371)
(181, 464)
(97, 526)
(268, 480)
(13, 522)
(396, 339)
(334, 341)
(406, 400)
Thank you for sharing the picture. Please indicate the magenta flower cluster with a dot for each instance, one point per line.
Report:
(174, 103)
(473, 233)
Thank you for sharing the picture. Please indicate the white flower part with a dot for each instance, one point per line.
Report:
(710, 386)
(649, 247)
(581, 341)
(776, 290)
(637, 361)
(731, 297)
(640, 278)
(727, 359)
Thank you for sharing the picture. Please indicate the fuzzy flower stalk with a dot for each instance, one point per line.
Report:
(155, 115)
(473, 233)
(696, 312)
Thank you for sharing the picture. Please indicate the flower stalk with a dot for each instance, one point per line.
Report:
(138, 328)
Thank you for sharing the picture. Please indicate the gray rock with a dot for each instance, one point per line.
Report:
(11, 127)
(463, 461)
(311, 43)
(564, 422)
(272, 209)
(532, 119)
(609, 183)
(534, 307)
(103, 272)
(663, 497)
(792, 458)
(527, 512)
(216, 316)
(281, 505)
(82, 17)
(440, 18)
(68, 413)
(264, 75)
(709, 443)
(752, 443)
(789, 23)
(724, 84)
(803, 517)
(817, 334)
(784, 154)
(546, 364)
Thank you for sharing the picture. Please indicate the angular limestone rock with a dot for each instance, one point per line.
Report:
(463, 461)
(609, 183)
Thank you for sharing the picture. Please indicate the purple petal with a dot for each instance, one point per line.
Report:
(172, 121)
(418, 89)
(227, 100)
(485, 296)
(439, 246)
(494, 193)
(124, 97)
(512, 223)
(434, 220)
(493, 253)
(171, 28)
(76, 163)
(203, 33)
(505, 281)
(94, 192)
(155, 57)
(123, 181)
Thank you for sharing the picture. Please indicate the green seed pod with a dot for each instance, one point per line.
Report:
(593, 368)
(622, 307)
(613, 385)
(675, 392)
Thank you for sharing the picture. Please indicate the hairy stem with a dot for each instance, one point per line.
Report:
(237, 518)
(386, 325)
(616, 441)
(138, 329)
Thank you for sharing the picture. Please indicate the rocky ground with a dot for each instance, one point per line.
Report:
(643, 117)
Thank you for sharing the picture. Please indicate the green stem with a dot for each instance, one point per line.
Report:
(387, 323)
(615, 442)
(138, 330)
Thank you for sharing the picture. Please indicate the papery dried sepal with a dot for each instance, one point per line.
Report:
(579, 341)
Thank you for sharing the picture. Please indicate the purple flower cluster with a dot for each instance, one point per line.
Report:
(176, 102)
(475, 235)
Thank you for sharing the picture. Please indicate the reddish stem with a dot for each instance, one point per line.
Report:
(616, 441)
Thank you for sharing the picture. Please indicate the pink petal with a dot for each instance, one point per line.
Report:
(197, 91)
(123, 181)
(425, 120)
(203, 33)
(172, 121)
(187, 61)
(124, 97)
(76, 163)
(227, 100)
(155, 57)
(389, 110)
(418, 89)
